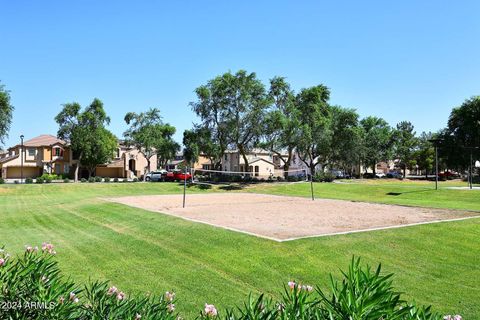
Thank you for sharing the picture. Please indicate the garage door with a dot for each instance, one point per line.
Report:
(28, 172)
(109, 172)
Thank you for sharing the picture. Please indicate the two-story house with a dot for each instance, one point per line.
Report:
(42, 154)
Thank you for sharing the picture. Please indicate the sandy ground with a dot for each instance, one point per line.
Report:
(283, 218)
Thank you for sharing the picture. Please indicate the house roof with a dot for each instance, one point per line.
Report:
(260, 159)
(43, 140)
(8, 158)
(113, 164)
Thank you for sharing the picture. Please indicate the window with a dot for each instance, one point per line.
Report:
(57, 152)
(66, 168)
(118, 153)
(257, 171)
(57, 168)
(31, 152)
(226, 157)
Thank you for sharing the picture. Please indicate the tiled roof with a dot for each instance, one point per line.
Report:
(43, 140)
(6, 159)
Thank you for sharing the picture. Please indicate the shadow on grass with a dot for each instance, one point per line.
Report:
(414, 191)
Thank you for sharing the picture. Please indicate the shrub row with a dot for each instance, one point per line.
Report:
(106, 179)
(362, 293)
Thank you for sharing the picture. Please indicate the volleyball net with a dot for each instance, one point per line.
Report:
(206, 176)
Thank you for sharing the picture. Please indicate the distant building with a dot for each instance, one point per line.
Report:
(42, 154)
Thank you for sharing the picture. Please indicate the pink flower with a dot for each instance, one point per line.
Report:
(170, 296)
(291, 284)
(210, 310)
(28, 248)
(171, 307)
(112, 290)
(2, 262)
(72, 296)
(138, 316)
(120, 295)
(48, 247)
(307, 288)
(457, 317)
(75, 300)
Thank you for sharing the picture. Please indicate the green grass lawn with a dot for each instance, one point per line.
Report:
(142, 251)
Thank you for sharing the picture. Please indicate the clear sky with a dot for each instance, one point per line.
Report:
(400, 60)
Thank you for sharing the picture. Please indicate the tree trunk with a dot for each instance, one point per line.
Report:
(374, 168)
(404, 170)
(312, 170)
(146, 168)
(77, 167)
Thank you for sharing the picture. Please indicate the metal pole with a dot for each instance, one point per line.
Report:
(436, 168)
(184, 185)
(21, 160)
(311, 185)
(471, 173)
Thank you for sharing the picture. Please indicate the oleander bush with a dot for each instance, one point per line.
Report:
(2, 181)
(115, 179)
(106, 179)
(98, 179)
(91, 179)
(83, 180)
(39, 180)
(28, 180)
(33, 287)
(66, 180)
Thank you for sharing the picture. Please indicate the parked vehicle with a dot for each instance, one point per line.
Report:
(156, 176)
(177, 175)
(380, 175)
(448, 175)
(339, 174)
(395, 175)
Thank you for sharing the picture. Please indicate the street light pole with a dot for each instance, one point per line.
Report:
(21, 159)
(436, 167)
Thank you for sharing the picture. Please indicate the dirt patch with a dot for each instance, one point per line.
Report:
(283, 218)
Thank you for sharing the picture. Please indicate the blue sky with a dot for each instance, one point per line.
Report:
(400, 60)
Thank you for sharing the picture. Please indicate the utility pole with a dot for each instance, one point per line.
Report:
(21, 159)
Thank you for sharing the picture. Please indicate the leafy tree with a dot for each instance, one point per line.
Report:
(405, 143)
(198, 142)
(462, 134)
(6, 113)
(282, 122)
(85, 131)
(377, 141)
(424, 156)
(151, 136)
(102, 150)
(232, 107)
(315, 128)
(345, 149)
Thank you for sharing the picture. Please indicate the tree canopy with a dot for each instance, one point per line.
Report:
(85, 131)
(233, 107)
(377, 141)
(6, 113)
(151, 136)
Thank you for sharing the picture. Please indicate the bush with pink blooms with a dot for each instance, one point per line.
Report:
(32, 287)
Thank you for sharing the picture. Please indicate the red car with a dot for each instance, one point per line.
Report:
(177, 175)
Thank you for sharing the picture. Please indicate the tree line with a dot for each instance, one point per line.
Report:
(237, 111)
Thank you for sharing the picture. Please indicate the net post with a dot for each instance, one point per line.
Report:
(311, 185)
(184, 186)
